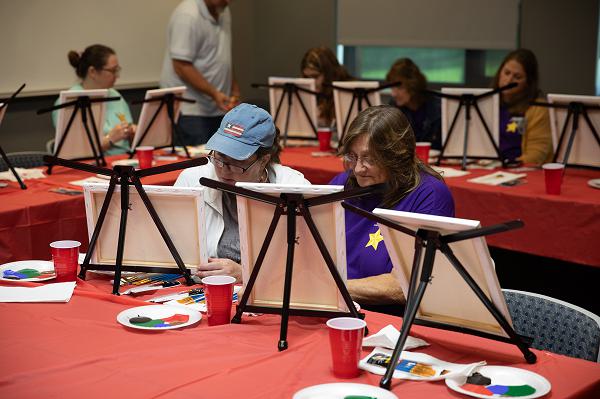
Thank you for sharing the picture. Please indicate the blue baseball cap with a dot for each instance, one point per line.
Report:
(243, 130)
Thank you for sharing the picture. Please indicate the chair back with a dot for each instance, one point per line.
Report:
(555, 325)
(24, 159)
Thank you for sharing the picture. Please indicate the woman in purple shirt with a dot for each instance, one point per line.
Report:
(380, 148)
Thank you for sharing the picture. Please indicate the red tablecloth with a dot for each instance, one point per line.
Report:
(78, 350)
(565, 227)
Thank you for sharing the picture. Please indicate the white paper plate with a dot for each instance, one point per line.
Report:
(506, 376)
(594, 183)
(156, 312)
(39, 265)
(342, 389)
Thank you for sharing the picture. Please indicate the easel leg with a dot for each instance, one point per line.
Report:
(12, 169)
(287, 285)
(259, 261)
(122, 230)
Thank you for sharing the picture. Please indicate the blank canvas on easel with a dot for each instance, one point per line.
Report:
(585, 150)
(77, 144)
(313, 287)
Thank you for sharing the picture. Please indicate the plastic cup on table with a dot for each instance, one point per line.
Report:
(324, 136)
(553, 176)
(422, 150)
(65, 256)
(219, 294)
(145, 155)
(345, 339)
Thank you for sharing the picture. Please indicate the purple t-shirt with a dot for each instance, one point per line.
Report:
(365, 250)
(511, 134)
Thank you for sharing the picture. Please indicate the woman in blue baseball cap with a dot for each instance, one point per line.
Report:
(245, 148)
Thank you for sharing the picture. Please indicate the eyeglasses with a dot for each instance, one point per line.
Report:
(352, 159)
(219, 163)
(114, 70)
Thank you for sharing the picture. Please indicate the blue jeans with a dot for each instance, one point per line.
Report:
(198, 129)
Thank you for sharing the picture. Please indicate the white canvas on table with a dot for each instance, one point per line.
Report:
(343, 99)
(159, 134)
(299, 124)
(448, 299)
(181, 211)
(585, 150)
(313, 287)
(77, 144)
(479, 144)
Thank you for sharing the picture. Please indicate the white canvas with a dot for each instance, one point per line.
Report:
(181, 210)
(77, 144)
(159, 134)
(343, 99)
(448, 299)
(313, 286)
(299, 125)
(585, 150)
(479, 144)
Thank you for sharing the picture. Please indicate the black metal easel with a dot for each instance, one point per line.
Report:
(83, 105)
(5, 102)
(575, 110)
(469, 101)
(167, 100)
(126, 176)
(290, 90)
(291, 205)
(422, 268)
(360, 95)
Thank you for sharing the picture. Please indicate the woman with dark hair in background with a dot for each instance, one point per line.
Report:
(321, 64)
(98, 68)
(422, 110)
(380, 148)
(525, 135)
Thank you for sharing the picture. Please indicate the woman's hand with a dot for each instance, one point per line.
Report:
(220, 267)
(122, 131)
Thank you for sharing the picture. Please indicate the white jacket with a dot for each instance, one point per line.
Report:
(213, 198)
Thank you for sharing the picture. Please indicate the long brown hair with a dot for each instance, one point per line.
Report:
(323, 60)
(94, 56)
(528, 61)
(392, 146)
(406, 71)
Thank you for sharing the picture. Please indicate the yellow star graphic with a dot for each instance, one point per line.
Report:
(374, 239)
(512, 127)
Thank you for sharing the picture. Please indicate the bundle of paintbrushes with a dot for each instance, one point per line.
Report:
(193, 298)
(148, 278)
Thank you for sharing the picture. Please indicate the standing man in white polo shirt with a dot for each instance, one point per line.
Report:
(199, 56)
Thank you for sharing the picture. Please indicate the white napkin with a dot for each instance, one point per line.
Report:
(55, 292)
(92, 179)
(417, 366)
(388, 336)
(449, 172)
(24, 174)
(497, 178)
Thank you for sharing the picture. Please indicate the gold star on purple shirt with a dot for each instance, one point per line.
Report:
(374, 239)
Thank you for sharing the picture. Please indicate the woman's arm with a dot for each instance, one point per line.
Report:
(382, 289)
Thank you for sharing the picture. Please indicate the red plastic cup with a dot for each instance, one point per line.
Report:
(422, 151)
(345, 339)
(219, 294)
(324, 136)
(145, 155)
(553, 175)
(65, 256)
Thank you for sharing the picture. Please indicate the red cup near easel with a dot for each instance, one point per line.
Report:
(65, 255)
(422, 151)
(145, 155)
(324, 136)
(345, 338)
(219, 295)
(553, 173)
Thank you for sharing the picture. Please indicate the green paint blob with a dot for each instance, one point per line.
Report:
(520, 390)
